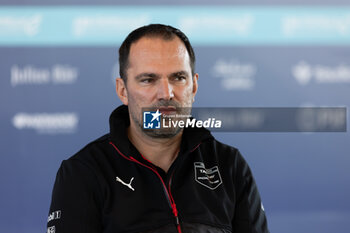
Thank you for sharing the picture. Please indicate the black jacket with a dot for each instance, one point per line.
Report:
(108, 187)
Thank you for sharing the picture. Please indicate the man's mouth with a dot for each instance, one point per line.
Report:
(167, 110)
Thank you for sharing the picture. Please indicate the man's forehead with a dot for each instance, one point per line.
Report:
(158, 47)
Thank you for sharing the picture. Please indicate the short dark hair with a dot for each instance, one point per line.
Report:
(165, 32)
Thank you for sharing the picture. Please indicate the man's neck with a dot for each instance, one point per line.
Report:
(162, 152)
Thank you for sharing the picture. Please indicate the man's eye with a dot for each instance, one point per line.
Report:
(180, 78)
(146, 80)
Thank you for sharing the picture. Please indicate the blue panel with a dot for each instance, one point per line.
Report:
(205, 25)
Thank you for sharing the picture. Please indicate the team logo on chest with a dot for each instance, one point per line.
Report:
(208, 177)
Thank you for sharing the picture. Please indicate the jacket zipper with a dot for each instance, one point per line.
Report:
(170, 198)
(174, 206)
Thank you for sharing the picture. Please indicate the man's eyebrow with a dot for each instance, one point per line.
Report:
(146, 75)
(179, 73)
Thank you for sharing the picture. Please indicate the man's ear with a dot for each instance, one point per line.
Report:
(195, 86)
(120, 88)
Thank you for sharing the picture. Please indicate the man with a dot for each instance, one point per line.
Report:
(155, 180)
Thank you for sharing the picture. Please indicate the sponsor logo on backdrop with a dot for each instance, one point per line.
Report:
(235, 75)
(310, 120)
(32, 75)
(239, 25)
(316, 24)
(47, 123)
(95, 25)
(305, 73)
(21, 25)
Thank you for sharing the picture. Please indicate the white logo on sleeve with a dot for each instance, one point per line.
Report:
(127, 185)
(54, 215)
(51, 229)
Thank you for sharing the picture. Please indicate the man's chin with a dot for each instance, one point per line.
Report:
(162, 133)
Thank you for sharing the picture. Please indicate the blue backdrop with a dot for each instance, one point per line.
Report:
(58, 65)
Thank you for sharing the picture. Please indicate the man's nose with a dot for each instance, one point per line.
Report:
(165, 90)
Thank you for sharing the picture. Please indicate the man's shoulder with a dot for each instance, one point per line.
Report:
(222, 152)
(93, 150)
(220, 147)
(81, 171)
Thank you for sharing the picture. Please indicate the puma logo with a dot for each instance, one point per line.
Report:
(127, 185)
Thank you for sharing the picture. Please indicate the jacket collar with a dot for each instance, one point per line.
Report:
(119, 122)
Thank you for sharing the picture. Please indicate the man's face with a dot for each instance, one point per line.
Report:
(159, 76)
